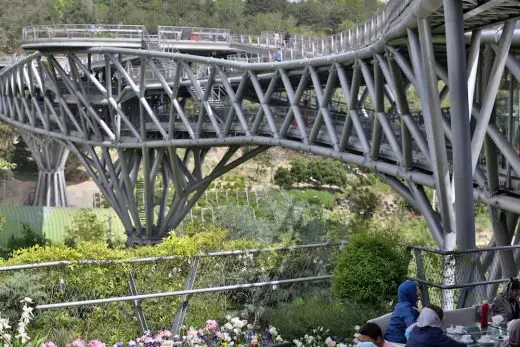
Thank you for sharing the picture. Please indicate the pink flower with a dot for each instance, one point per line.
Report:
(218, 334)
(68, 345)
(96, 343)
(78, 343)
(211, 325)
(48, 344)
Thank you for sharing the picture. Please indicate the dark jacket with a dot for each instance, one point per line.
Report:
(404, 313)
(431, 337)
(506, 306)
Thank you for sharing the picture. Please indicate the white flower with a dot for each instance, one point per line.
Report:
(330, 342)
(341, 345)
(249, 326)
(278, 338)
(273, 331)
(226, 337)
(228, 318)
(6, 337)
(228, 326)
(27, 300)
(4, 324)
(357, 327)
(298, 343)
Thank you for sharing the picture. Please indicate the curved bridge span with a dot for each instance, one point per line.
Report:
(127, 112)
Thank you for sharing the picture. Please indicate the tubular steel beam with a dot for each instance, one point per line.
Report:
(488, 100)
(429, 94)
(460, 125)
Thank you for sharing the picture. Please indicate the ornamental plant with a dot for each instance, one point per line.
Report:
(319, 337)
(10, 337)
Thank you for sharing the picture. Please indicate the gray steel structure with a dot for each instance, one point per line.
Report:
(150, 112)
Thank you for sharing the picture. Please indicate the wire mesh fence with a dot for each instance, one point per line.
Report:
(463, 278)
(165, 292)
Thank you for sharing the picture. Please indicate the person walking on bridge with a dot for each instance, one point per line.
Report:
(287, 39)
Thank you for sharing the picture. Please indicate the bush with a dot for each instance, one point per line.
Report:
(370, 269)
(16, 287)
(296, 319)
(86, 228)
(29, 238)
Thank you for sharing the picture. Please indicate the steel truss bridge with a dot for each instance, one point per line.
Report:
(130, 104)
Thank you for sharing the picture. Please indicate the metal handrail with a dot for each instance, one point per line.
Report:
(86, 262)
(297, 46)
(68, 31)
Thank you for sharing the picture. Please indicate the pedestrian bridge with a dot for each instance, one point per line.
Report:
(423, 94)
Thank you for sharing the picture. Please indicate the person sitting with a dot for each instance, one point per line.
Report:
(428, 331)
(371, 335)
(514, 335)
(506, 303)
(405, 312)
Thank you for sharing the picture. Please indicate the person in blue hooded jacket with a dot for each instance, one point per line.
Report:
(428, 330)
(405, 313)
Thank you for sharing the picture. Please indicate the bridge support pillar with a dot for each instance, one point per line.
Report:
(460, 125)
(50, 157)
(153, 189)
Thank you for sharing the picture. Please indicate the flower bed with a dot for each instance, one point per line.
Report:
(233, 332)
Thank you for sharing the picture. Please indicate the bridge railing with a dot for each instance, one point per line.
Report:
(296, 46)
(84, 31)
(178, 33)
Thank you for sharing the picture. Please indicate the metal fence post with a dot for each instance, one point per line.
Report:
(141, 319)
(183, 309)
(421, 276)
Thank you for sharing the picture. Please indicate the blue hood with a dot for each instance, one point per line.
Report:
(407, 292)
(404, 313)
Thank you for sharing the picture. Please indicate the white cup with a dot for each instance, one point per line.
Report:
(486, 339)
(466, 338)
(459, 329)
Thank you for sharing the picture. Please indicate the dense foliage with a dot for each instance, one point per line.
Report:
(28, 238)
(370, 269)
(86, 227)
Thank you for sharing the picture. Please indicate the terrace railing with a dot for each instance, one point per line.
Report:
(153, 287)
(458, 279)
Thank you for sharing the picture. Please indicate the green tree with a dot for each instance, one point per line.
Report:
(370, 269)
(21, 156)
(284, 178)
(15, 14)
(86, 227)
(254, 7)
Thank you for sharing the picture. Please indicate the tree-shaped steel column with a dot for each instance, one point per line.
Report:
(50, 157)
(152, 189)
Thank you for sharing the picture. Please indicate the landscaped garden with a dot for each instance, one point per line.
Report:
(350, 219)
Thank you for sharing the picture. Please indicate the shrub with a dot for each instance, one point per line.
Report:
(370, 269)
(86, 228)
(16, 287)
(29, 238)
(302, 315)
(283, 178)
